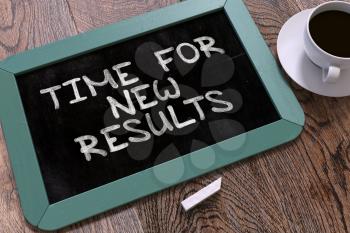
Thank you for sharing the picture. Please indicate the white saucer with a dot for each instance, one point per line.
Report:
(290, 49)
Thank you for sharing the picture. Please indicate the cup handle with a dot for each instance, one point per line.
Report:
(331, 74)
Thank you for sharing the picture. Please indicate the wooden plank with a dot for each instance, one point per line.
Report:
(90, 14)
(124, 219)
(29, 24)
(323, 160)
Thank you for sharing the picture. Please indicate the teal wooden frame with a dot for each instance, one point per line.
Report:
(29, 182)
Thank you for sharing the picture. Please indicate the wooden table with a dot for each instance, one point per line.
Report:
(300, 187)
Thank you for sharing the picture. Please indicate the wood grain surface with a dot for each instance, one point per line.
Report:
(303, 186)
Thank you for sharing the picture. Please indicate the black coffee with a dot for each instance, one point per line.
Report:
(331, 32)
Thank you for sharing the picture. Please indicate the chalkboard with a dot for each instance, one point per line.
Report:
(220, 77)
(95, 117)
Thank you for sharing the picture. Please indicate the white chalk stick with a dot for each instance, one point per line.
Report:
(201, 195)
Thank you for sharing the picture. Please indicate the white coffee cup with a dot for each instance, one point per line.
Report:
(331, 65)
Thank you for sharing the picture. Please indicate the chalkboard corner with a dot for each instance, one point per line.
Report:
(297, 116)
(33, 217)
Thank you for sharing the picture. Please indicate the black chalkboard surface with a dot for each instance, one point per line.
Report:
(219, 95)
